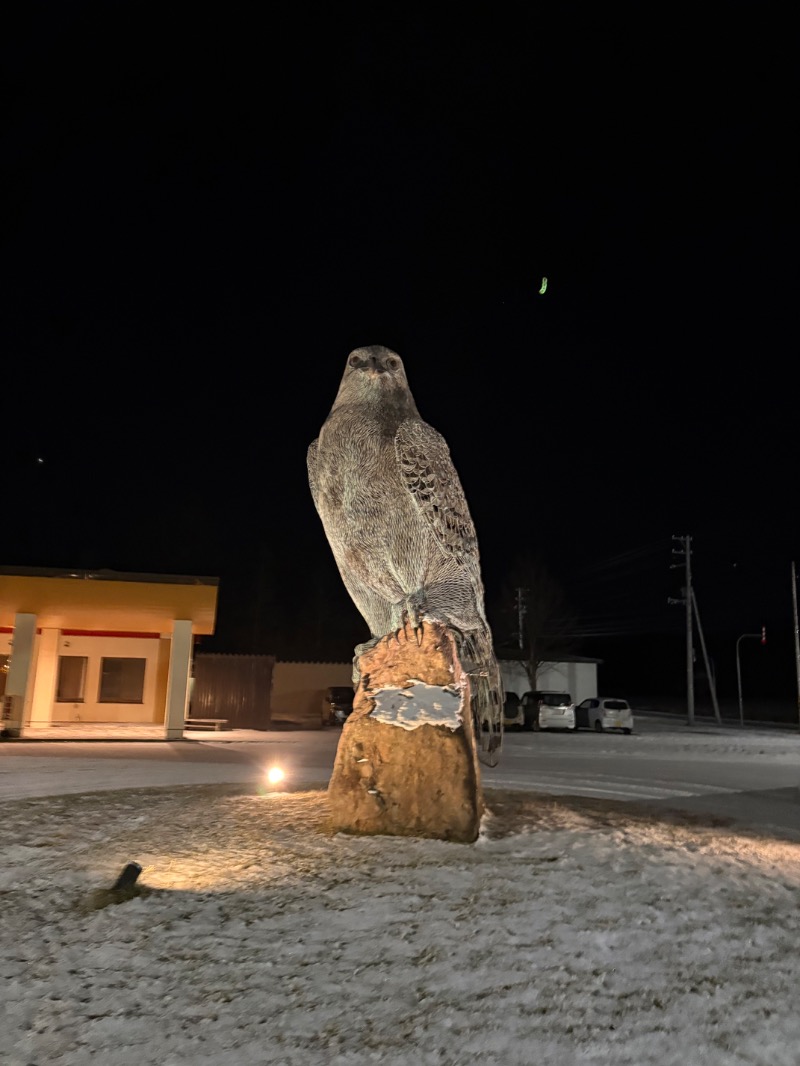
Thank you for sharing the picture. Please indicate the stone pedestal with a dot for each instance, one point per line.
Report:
(406, 764)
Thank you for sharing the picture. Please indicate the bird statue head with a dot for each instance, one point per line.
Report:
(375, 374)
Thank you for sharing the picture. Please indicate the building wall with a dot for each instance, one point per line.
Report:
(93, 616)
(515, 678)
(237, 688)
(5, 658)
(154, 651)
(579, 679)
(298, 689)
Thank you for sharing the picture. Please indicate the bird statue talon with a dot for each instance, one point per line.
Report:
(418, 634)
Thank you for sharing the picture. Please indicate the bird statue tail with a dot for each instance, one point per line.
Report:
(486, 691)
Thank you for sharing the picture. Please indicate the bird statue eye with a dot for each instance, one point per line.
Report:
(392, 363)
(353, 360)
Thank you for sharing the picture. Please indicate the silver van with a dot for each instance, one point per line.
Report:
(602, 713)
(548, 710)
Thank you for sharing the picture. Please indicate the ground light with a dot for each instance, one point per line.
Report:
(274, 775)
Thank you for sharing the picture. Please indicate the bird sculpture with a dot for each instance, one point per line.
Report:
(397, 521)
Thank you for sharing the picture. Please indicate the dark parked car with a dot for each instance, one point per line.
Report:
(513, 715)
(338, 704)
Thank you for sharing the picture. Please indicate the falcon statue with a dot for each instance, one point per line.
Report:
(397, 521)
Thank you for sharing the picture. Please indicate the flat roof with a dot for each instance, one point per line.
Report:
(561, 659)
(107, 575)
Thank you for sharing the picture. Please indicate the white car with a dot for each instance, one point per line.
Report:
(548, 710)
(604, 712)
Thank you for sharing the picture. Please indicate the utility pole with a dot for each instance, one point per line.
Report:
(687, 600)
(712, 681)
(763, 637)
(521, 612)
(796, 638)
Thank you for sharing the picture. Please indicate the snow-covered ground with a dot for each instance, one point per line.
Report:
(575, 931)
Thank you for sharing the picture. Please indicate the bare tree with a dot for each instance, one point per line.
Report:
(535, 622)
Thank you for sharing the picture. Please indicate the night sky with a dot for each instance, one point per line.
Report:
(205, 211)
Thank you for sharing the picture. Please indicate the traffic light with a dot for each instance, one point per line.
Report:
(763, 634)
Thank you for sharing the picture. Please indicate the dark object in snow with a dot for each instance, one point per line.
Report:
(128, 876)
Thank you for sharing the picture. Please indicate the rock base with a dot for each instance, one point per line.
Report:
(406, 764)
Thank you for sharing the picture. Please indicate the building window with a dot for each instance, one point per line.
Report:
(71, 678)
(121, 681)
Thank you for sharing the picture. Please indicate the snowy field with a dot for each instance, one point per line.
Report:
(575, 931)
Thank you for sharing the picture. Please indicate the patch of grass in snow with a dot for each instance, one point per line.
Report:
(110, 897)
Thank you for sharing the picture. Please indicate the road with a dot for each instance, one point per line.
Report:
(750, 775)
(45, 768)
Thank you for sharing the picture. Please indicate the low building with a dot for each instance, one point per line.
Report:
(574, 674)
(99, 647)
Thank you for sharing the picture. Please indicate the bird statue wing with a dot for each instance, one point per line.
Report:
(430, 477)
(311, 463)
